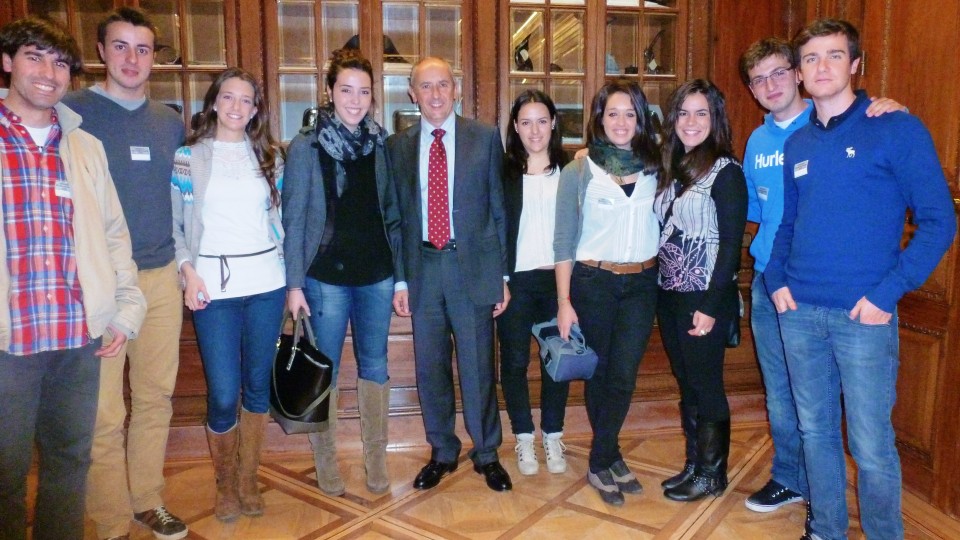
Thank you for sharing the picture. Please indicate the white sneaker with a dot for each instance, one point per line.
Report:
(526, 456)
(554, 448)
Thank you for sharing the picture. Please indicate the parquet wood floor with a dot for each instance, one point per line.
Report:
(545, 506)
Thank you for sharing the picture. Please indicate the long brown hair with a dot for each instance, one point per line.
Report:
(688, 167)
(644, 142)
(265, 147)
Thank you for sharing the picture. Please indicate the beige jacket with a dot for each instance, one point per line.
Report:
(107, 273)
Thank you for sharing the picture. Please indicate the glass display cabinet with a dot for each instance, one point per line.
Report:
(191, 47)
(394, 35)
(569, 48)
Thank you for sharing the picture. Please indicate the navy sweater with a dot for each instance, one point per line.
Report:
(847, 187)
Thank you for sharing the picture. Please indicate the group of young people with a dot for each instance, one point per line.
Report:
(349, 225)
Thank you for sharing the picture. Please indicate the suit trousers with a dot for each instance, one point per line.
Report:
(127, 480)
(444, 310)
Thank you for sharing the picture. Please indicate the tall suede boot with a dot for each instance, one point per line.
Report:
(325, 453)
(710, 474)
(252, 426)
(223, 450)
(688, 420)
(374, 407)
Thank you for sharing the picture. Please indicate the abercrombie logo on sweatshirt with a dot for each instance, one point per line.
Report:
(771, 160)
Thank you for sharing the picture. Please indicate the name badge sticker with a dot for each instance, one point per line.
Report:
(800, 169)
(140, 153)
(763, 192)
(603, 201)
(62, 189)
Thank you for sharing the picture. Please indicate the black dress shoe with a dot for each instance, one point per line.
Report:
(497, 478)
(431, 474)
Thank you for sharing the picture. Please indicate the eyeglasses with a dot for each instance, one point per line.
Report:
(776, 76)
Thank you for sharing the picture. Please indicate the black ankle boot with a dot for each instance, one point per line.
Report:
(688, 419)
(710, 474)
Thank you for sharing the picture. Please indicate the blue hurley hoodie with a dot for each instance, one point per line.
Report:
(763, 169)
(847, 186)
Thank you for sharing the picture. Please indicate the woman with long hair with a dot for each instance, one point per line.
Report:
(343, 254)
(534, 158)
(702, 206)
(229, 248)
(606, 256)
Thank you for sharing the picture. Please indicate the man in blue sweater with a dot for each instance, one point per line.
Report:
(837, 271)
(140, 137)
(768, 69)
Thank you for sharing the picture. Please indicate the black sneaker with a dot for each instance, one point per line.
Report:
(164, 525)
(772, 496)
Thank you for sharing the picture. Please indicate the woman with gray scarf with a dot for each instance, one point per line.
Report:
(343, 254)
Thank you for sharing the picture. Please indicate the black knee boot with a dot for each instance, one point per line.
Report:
(688, 419)
(710, 474)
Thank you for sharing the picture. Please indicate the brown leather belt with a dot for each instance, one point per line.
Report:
(622, 268)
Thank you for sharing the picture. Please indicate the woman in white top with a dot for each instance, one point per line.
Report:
(229, 247)
(606, 266)
(532, 166)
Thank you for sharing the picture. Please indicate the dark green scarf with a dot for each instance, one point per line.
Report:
(615, 161)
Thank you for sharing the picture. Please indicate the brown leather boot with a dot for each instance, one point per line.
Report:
(252, 426)
(325, 453)
(223, 450)
(374, 406)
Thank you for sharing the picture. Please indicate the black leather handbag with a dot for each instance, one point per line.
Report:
(733, 333)
(301, 380)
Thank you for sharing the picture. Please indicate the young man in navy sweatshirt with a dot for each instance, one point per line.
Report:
(768, 69)
(837, 271)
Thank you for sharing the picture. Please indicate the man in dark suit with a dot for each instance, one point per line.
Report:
(447, 170)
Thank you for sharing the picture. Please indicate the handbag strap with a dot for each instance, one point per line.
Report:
(302, 322)
(577, 339)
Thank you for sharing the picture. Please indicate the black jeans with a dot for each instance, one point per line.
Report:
(616, 316)
(696, 361)
(533, 299)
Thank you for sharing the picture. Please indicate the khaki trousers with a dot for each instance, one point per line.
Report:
(120, 481)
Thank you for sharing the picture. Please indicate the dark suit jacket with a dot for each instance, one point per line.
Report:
(478, 213)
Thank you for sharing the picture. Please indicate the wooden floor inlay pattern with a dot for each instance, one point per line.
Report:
(545, 506)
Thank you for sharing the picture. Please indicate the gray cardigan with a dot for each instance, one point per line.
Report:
(574, 179)
(188, 186)
(305, 207)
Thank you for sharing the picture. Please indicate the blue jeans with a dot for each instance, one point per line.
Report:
(828, 353)
(788, 468)
(238, 340)
(50, 399)
(368, 309)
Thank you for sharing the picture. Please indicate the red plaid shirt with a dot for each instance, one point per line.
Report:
(45, 300)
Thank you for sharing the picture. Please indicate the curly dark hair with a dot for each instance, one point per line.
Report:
(45, 35)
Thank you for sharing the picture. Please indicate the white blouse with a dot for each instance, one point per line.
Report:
(537, 220)
(235, 223)
(618, 228)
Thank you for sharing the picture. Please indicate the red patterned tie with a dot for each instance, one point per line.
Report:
(438, 204)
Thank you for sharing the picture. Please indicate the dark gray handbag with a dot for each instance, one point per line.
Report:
(564, 360)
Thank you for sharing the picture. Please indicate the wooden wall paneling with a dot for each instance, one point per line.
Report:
(486, 67)
(245, 18)
(736, 26)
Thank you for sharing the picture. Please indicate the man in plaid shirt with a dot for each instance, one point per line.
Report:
(69, 280)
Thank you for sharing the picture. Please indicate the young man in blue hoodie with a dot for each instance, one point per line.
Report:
(837, 271)
(768, 69)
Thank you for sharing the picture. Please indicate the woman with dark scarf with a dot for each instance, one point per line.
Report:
(343, 254)
(605, 245)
